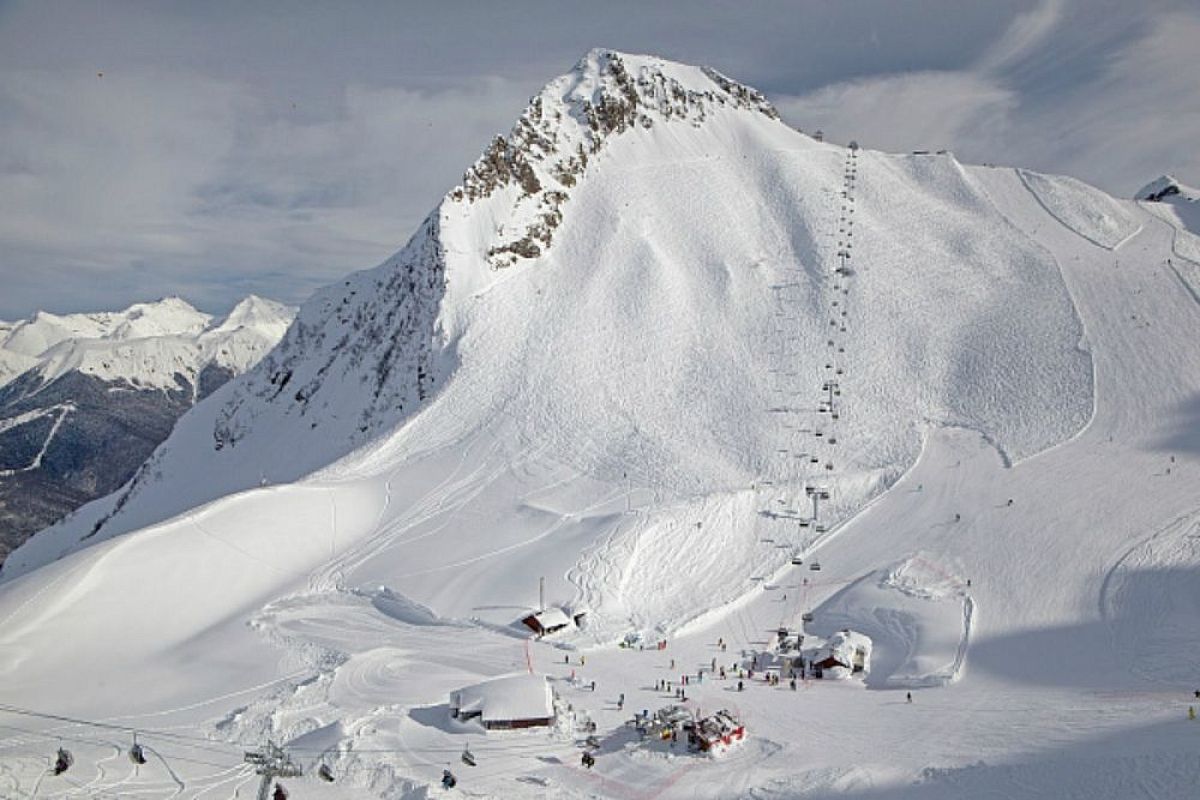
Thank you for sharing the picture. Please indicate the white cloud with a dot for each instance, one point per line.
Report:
(157, 183)
(1125, 116)
(921, 110)
(1027, 31)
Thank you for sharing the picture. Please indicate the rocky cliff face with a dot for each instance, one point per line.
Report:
(572, 120)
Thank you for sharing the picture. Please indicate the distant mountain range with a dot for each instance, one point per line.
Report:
(85, 398)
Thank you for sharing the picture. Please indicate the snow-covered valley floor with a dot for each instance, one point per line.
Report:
(1051, 644)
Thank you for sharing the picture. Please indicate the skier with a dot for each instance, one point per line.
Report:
(957, 517)
(908, 696)
(280, 793)
(740, 687)
(588, 759)
(792, 683)
(593, 686)
(448, 781)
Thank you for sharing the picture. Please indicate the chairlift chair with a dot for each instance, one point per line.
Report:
(815, 566)
(325, 773)
(468, 757)
(797, 561)
(807, 616)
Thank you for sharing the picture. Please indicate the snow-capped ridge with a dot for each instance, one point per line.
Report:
(570, 121)
(147, 345)
(257, 312)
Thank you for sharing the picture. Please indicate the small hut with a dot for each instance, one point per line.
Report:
(511, 701)
(548, 621)
(846, 653)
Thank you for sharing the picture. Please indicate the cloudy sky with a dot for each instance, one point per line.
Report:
(215, 149)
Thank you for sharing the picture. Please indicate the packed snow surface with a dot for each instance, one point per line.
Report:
(627, 403)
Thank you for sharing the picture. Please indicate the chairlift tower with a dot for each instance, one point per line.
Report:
(830, 387)
(817, 494)
(844, 255)
(272, 763)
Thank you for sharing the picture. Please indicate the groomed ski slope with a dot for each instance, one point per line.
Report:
(613, 426)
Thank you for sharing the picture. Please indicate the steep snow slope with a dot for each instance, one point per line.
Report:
(1088, 211)
(626, 403)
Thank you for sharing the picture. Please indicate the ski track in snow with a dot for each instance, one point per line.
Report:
(62, 408)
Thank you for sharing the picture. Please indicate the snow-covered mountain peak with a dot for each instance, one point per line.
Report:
(530, 175)
(257, 312)
(1178, 205)
(1161, 187)
(1164, 187)
(170, 316)
(604, 75)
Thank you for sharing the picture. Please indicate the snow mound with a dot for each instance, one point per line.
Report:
(1094, 215)
(918, 616)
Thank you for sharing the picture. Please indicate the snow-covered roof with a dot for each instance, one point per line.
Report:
(552, 618)
(511, 697)
(844, 644)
